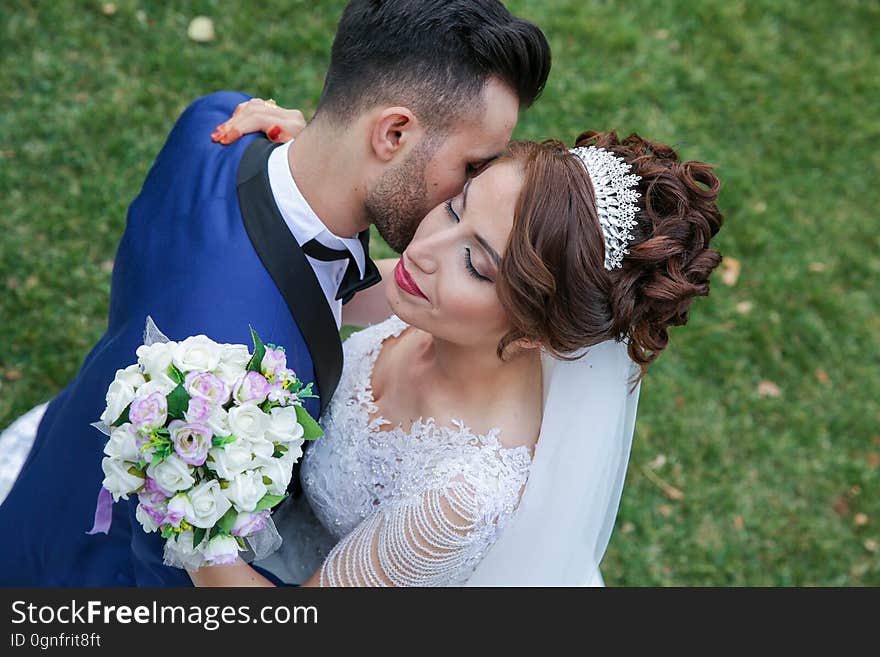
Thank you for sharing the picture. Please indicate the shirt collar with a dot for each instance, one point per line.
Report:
(302, 221)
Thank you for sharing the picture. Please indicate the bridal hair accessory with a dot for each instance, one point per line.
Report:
(615, 199)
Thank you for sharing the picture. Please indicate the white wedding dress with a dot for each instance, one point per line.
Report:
(415, 506)
(385, 506)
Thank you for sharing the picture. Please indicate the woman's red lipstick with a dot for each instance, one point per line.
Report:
(405, 281)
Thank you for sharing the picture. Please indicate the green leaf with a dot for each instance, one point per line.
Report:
(198, 535)
(259, 351)
(167, 531)
(219, 441)
(268, 501)
(123, 418)
(175, 374)
(227, 520)
(267, 480)
(312, 429)
(178, 402)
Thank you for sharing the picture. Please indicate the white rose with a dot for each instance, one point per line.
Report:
(262, 449)
(198, 353)
(245, 490)
(172, 474)
(161, 383)
(207, 504)
(118, 480)
(145, 519)
(221, 550)
(279, 471)
(131, 375)
(156, 357)
(229, 373)
(283, 425)
(232, 459)
(119, 395)
(218, 422)
(122, 443)
(235, 354)
(181, 553)
(248, 421)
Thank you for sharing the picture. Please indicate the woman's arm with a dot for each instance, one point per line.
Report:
(371, 305)
(237, 574)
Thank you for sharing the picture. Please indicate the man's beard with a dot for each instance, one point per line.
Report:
(399, 200)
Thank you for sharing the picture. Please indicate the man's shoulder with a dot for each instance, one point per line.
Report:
(192, 132)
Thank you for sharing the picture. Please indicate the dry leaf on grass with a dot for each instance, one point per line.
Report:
(201, 29)
(744, 307)
(739, 522)
(817, 267)
(730, 270)
(768, 389)
(822, 376)
(12, 374)
(860, 519)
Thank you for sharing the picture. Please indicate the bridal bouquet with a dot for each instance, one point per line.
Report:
(206, 435)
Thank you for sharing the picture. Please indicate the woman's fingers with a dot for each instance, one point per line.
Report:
(257, 115)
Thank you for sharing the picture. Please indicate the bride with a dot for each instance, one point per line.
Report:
(480, 433)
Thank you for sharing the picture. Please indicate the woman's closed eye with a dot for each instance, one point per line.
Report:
(468, 263)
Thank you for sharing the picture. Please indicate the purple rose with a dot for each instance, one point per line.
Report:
(207, 386)
(152, 494)
(192, 440)
(157, 514)
(149, 412)
(176, 509)
(249, 523)
(273, 362)
(199, 410)
(252, 387)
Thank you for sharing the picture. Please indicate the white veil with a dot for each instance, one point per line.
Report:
(564, 520)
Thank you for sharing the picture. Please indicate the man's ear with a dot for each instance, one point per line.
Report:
(393, 130)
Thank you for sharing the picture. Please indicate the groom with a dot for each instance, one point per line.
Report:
(419, 94)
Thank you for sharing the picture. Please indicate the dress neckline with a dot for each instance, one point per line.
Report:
(394, 327)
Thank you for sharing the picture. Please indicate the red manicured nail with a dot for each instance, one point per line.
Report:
(274, 131)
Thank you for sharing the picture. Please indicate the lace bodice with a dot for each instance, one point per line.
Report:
(416, 507)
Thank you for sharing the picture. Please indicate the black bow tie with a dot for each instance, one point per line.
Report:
(351, 281)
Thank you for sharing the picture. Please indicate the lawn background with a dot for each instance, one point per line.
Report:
(731, 482)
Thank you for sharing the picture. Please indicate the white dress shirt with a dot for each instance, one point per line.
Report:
(305, 225)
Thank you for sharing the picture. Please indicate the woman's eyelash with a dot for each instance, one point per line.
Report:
(467, 252)
(471, 269)
(452, 213)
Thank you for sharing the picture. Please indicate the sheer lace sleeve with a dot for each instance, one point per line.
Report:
(432, 538)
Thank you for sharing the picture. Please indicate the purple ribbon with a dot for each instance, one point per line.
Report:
(103, 512)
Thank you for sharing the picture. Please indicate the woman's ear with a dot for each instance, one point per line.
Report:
(393, 131)
(526, 343)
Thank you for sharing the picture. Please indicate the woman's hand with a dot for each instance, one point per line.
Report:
(258, 115)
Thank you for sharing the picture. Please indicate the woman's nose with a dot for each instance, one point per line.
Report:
(424, 252)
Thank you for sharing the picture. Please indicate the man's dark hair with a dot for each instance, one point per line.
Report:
(433, 56)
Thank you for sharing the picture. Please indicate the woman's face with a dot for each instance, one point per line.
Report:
(445, 281)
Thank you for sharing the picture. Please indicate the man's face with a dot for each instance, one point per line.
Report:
(437, 170)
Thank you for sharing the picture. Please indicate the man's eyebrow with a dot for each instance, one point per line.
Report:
(488, 249)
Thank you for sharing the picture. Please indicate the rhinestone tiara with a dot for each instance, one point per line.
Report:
(616, 199)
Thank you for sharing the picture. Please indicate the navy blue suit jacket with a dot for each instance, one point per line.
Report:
(185, 259)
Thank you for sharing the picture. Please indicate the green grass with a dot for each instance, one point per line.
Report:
(781, 95)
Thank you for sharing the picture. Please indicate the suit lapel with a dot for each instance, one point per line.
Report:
(288, 267)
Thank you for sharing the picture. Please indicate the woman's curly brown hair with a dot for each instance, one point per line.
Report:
(553, 281)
